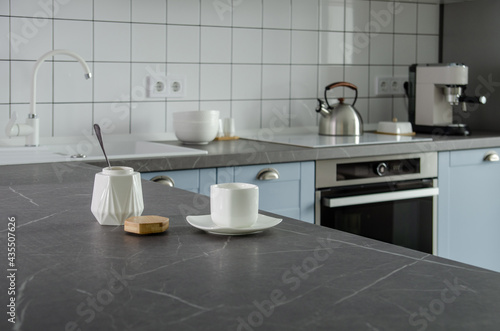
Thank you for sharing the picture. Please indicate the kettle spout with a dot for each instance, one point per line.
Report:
(322, 108)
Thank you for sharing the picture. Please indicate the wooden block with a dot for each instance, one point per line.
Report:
(227, 138)
(146, 224)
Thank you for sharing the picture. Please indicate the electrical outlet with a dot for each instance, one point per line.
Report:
(169, 86)
(176, 85)
(390, 85)
(157, 86)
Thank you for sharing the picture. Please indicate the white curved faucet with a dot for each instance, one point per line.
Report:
(31, 128)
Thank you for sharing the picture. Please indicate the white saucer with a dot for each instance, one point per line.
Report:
(204, 222)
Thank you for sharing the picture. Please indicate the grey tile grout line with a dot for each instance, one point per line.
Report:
(93, 67)
(130, 72)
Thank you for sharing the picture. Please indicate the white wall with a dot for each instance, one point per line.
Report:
(249, 59)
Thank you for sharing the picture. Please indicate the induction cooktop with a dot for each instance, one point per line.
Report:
(315, 140)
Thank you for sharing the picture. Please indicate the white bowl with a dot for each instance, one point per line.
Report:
(196, 115)
(196, 127)
(394, 127)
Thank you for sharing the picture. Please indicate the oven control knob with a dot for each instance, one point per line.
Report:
(381, 169)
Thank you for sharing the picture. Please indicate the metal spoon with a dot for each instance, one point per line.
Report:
(97, 130)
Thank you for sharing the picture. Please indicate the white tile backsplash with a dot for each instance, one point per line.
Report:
(301, 114)
(21, 73)
(301, 78)
(215, 82)
(332, 47)
(331, 15)
(247, 13)
(381, 49)
(30, 37)
(275, 115)
(31, 8)
(357, 15)
(4, 37)
(82, 10)
(111, 41)
(359, 76)
(277, 14)
(259, 61)
(218, 13)
(148, 117)
(71, 119)
(247, 45)
(246, 114)
(4, 7)
(117, 113)
(111, 82)
(426, 49)
(215, 45)
(70, 84)
(405, 49)
(4, 82)
(76, 36)
(149, 43)
(428, 19)
(183, 43)
(305, 47)
(183, 12)
(112, 10)
(305, 14)
(246, 81)
(275, 81)
(381, 17)
(149, 11)
(405, 19)
(276, 46)
(357, 47)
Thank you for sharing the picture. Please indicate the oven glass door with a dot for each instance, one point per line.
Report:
(406, 222)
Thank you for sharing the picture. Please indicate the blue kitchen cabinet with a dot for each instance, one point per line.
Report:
(194, 180)
(292, 194)
(284, 188)
(469, 207)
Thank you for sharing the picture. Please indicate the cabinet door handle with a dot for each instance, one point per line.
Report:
(268, 174)
(491, 157)
(164, 180)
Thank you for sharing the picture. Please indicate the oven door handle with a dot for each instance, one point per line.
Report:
(380, 197)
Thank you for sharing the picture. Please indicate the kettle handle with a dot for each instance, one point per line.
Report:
(339, 84)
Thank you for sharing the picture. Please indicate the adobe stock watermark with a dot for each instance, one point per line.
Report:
(379, 20)
(486, 87)
(437, 306)
(31, 26)
(291, 280)
(96, 303)
(225, 6)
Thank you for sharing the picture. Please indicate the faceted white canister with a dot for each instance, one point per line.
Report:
(117, 195)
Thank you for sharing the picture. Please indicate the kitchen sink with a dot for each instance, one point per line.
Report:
(86, 151)
(25, 155)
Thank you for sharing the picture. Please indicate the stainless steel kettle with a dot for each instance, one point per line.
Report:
(342, 119)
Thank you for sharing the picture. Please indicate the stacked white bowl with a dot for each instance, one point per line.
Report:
(196, 127)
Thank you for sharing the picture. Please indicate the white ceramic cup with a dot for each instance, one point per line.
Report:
(234, 205)
(228, 127)
(117, 195)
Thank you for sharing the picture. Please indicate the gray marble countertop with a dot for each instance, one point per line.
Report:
(246, 152)
(73, 274)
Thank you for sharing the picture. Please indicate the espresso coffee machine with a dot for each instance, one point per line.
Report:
(433, 91)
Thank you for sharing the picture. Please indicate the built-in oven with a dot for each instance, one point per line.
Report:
(388, 198)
